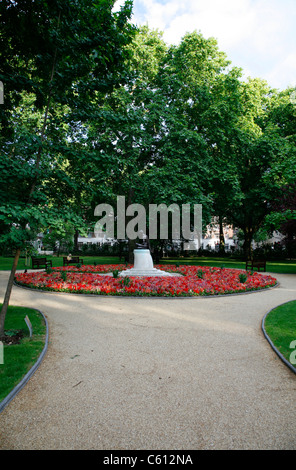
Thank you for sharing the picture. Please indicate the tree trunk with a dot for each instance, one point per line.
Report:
(221, 236)
(131, 243)
(42, 137)
(248, 234)
(76, 235)
(131, 248)
(8, 291)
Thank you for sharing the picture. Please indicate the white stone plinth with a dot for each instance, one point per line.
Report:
(143, 266)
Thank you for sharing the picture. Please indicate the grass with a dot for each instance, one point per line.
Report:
(280, 267)
(6, 262)
(19, 358)
(280, 325)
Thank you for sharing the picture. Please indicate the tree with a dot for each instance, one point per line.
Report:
(206, 92)
(143, 140)
(282, 217)
(248, 131)
(55, 58)
(265, 156)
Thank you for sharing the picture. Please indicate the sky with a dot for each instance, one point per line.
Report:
(258, 36)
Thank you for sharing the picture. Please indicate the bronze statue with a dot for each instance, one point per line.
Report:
(145, 245)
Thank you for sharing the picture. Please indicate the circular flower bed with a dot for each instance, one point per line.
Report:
(104, 280)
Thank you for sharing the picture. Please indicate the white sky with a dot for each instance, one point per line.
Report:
(257, 35)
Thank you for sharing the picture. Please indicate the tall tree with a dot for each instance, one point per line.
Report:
(204, 89)
(55, 58)
(144, 142)
(265, 157)
(246, 127)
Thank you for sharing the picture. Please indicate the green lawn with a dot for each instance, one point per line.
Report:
(6, 262)
(19, 358)
(280, 326)
(284, 266)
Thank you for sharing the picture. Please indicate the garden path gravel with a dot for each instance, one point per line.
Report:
(154, 374)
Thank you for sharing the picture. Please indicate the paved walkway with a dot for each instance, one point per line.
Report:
(154, 374)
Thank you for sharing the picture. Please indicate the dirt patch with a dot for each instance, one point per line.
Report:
(12, 337)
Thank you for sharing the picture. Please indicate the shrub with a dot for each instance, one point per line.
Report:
(242, 278)
(126, 281)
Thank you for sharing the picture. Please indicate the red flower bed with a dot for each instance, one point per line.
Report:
(195, 281)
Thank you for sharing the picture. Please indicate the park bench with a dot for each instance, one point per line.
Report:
(256, 264)
(73, 260)
(41, 263)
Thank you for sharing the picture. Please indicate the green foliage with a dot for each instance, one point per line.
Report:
(59, 236)
(242, 277)
(57, 60)
(125, 281)
(64, 275)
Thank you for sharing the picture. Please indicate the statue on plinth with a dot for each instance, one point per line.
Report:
(143, 263)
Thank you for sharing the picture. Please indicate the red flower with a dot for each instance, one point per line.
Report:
(88, 279)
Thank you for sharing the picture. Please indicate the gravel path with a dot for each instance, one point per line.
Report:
(154, 374)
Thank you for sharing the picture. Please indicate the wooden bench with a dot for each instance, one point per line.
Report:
(73, 260)
(256, 264)
(40, 263)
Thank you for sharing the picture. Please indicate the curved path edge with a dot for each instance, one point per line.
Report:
(33, 369)
(120, 373)
(29, 374)
(288, 364)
